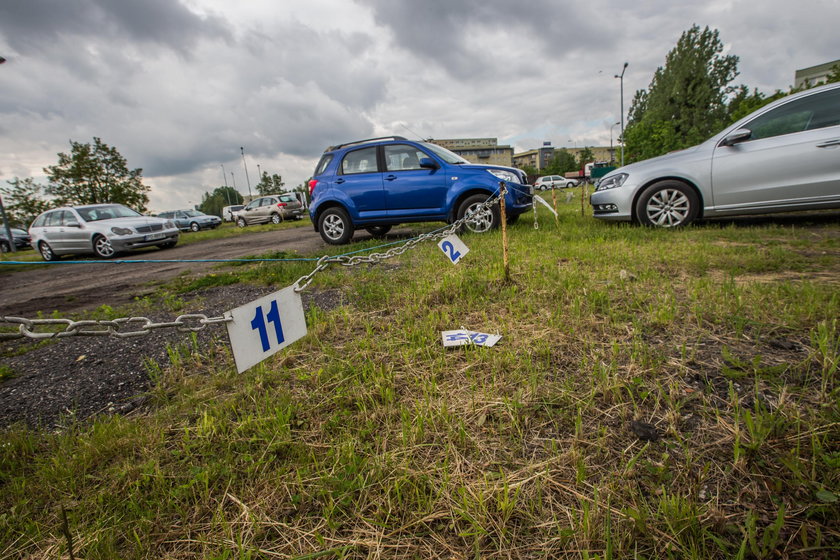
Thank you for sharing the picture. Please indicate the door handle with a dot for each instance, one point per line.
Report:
(390, 177)
(829, 144)
(339, 181)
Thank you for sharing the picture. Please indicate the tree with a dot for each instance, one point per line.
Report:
(93, 174)
(585, 156)
(212, 203)
(561, 163)
(686, 101)
(23, 201)
(270, 184)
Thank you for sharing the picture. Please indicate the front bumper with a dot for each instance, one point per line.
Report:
(613, 204)
(129, 242)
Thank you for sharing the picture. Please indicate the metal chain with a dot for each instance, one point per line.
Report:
(534, 204)
(373, 258)
(126, 327)
(123, 327)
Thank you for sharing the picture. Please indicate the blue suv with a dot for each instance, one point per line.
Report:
(381, 182)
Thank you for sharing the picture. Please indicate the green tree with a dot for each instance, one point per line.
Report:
(585, 156)
(686, 101)
(562, 162)
(270, 184)
(96, 173)
(212, 203)
(23, 200)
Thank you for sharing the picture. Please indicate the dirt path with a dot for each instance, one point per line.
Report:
(74, 287)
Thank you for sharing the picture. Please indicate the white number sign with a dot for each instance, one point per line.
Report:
(463, 337)
(263, 327)
(453, 248)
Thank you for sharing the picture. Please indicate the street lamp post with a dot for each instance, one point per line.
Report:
(621, 79)
(612, 152)
(241, 149)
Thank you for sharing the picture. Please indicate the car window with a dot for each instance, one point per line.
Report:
(268, 201)
(322, 165)
(402, 157)
(288, 198)
(360, 161)
(808, 113)
(52, 219)
(253, 204)
(68, 217)
(39, 221)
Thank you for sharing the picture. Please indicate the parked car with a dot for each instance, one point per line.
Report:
(381, 182)
(19, 237)
(191, 220)
(273, 208)
(103, 230)
(229, 211)
(782, 157)
(553, 182)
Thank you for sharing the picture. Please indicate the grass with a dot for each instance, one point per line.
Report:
(368, 439)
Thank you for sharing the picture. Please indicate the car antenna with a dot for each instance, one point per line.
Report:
(415, 134)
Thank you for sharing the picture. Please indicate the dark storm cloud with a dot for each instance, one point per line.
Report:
(35, 25)
(466, 37)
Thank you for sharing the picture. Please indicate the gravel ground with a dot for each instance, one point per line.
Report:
(78, 377)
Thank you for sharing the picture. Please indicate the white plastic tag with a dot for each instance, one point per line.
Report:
(544, 203)
(463, 337)
(263, 327)
(453, 248)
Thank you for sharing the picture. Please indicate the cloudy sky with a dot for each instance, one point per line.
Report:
(177, 86)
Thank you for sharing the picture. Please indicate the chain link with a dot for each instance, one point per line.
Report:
(123, 327)
(126, 327)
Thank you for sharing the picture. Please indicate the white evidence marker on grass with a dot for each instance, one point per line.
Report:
(265, 326)
(463, 337)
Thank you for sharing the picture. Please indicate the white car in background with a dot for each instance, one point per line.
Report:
(103, 230)
(553, 182)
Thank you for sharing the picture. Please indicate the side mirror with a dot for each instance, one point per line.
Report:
(735, 137)
(73, 224)
(428, 163)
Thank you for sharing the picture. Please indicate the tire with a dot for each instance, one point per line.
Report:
(102, 248)
(335, 226)
(378, 231)
(167, 245)
(47, 252)
(484, 221)
(194, 226)
(240, 222)
(276, 219)
(667, 204)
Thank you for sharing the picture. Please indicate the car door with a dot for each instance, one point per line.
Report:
(52, 230)
(411, 190)
(251, 211)
(792, 157)
(360, 179)
(76, 237)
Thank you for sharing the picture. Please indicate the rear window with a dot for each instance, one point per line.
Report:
(322, 165)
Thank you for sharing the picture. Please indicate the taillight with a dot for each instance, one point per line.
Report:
(281, 204)
(312, 184)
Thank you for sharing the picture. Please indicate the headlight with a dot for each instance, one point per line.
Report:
(612, 182)
(169, 225)
(121, 231)
(504, 175)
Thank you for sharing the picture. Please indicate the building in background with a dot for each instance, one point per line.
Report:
(813, 76)
(540, 158)
(479, 150)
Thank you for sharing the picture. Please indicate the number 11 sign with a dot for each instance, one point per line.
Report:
(265, 326)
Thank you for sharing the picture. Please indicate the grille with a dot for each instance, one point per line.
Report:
(149, 228)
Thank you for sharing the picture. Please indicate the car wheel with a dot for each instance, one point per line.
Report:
(241, 222)
(47, 252)
(667, 204)
(276, 219)
(167, 245)
(102, 247)
(335, 226)
(378, 231)
(4, 246)
(194, 226)
(481, 219)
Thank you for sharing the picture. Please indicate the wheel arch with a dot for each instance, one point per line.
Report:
(678, 179)
(462, 196)
(326, 206)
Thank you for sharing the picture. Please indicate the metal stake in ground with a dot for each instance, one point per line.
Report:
(503, 211)
(554, 200)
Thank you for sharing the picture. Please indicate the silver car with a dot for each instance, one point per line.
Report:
(99, 229)
(272, 208)
(783, 157)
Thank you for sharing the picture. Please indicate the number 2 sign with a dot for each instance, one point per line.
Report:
(263, 327)
(453, 248)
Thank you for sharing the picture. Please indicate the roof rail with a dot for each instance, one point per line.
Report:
(331, 148)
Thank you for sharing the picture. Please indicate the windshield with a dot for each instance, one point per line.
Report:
(96, 213)
(444, 154)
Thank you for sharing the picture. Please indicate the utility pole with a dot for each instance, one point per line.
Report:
(241, 149)
(621, 79)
